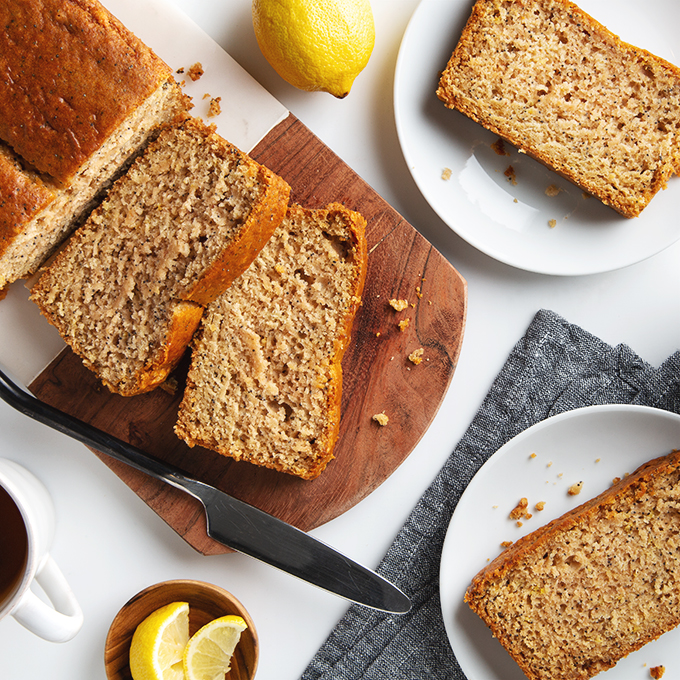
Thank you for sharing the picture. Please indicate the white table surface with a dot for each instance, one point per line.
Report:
(110, 545)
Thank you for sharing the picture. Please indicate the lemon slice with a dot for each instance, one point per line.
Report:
(208, 654)
(159, 642)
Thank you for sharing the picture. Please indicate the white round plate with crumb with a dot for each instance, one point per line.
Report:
(592, 445)
(534, 220)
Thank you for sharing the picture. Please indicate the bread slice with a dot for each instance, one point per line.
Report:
(81, 96)
(265, 380)
(572, 598)
(128, 289)
(558, 85)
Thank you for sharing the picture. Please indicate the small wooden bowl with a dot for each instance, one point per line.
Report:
(206, 602)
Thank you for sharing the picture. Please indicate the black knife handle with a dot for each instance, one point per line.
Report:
(89, 435)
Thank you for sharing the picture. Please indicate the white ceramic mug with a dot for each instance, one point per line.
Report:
(27, 523)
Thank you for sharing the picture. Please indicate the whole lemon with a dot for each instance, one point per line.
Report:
(316, 45)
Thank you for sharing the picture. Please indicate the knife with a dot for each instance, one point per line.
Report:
(235, 524)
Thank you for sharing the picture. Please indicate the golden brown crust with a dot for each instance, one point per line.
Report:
(186, 317)
(357, 227)
(59, 103)
(616, 500)
(22, 196)
(79, 95)
(481, 21)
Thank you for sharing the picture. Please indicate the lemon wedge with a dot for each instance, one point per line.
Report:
(316, 45)
(208, 654)
(158, 644)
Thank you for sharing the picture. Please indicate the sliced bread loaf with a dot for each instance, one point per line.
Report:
(127, 291)
(266, 378)
(572, 598)
(551, 80)
(80, 95)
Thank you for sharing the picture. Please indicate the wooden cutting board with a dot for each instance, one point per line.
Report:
(378, 376)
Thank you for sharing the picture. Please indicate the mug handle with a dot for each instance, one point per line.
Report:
(58, 624)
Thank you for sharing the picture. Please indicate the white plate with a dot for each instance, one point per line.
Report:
(593, 445)
(511, 222)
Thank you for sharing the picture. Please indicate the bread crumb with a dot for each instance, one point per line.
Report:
(381, 419)
(552, 190)
(533, 455)
(657, 672)
(552, 223)
(377, 335)
(519, 510)
(520, 524)
(196, 71)
(180, 70)
(170, 385)
(597, 460)
(506, 544)
(418, 292)
(416, 356)
(446, 174)
(616, 480)
(549, 464)
(575, 489)
(510, 174)
(499, 147)
(540, 505)
(403, 325)
(399, 305)
(214, 108)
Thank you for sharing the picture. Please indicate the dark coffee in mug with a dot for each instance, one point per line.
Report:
(13, 547)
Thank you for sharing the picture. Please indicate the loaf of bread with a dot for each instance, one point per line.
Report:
(128, 289)
(574, 597)
(265, 379)
(558, 85)
(79, 95)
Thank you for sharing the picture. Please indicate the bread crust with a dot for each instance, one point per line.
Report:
(79, 96)
(619, 498)
(358, 231)
(22, 196)
(58, 103)
(186, 317)
(456, 90)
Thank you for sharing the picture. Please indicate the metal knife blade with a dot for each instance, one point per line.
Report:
(232, 522)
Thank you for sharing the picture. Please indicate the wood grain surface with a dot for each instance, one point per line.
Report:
(378, 376)
(206, 603)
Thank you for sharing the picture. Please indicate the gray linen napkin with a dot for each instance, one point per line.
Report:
(555, 367)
